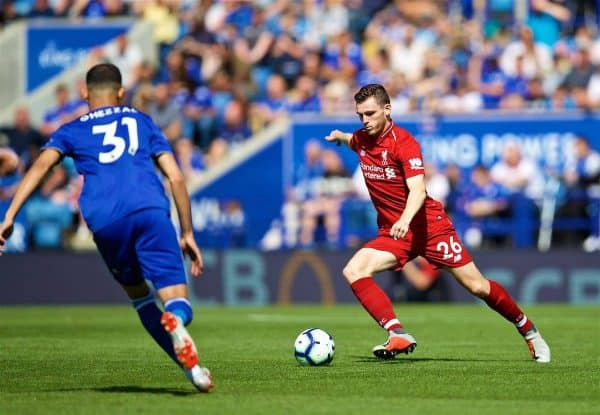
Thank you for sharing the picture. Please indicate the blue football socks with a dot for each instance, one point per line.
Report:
(182, 308)
(150, 315)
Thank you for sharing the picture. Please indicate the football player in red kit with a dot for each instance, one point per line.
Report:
(410, 224)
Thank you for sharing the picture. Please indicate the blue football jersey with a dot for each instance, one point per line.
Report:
(114, 149)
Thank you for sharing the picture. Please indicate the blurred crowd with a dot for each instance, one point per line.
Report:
(229, 68)
(511, 203)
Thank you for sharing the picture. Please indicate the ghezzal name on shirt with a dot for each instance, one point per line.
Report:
(104, 112)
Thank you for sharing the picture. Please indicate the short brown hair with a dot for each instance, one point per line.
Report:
(372, 90)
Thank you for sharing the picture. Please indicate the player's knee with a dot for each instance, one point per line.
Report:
(351, 273)
(182, 308)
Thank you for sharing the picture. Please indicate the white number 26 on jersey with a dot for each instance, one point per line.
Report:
(452, 249)
(118, 143)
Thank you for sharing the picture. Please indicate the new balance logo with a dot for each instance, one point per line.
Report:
(416, 163)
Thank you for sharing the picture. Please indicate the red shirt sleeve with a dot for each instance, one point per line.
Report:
(408, 156)
(354, 141)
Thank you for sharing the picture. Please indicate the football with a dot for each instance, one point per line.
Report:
(314, 347)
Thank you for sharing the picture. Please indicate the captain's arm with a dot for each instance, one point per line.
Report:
(339, 137)
(416, 197)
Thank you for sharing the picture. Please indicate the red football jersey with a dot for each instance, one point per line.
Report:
(386, 162)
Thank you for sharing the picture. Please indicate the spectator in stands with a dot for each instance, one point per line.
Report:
(41, 8)
(189, 158)
(274, 105)
(22, 137)
(165, 112)
(142, 97)
(491, 80)
(535, 95)
(325, 203)
(89, 9)
(582, 178)
(342, 54)
(61, 113)
(50, 211)
(545, 19)
(286, 54)
(162, 14)
(199, 116)
(235, 129)
(11, 170)
(483, 199)
(126, 55)
(335, 97)
(408, 55)
(376, 69)
(419, 281)
(536, 57)
(561, 99)
(515, 88)
(174, 69)
(436, 183)
(253, 49)
(203, 48)
(581, 70)
(304, 96)
(517, 173)
(145, 78)
(456, 188)
(9, 163)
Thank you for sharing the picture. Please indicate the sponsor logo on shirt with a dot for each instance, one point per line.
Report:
(416, 164)
(389, 173)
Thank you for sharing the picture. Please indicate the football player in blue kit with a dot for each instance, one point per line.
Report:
(117, 149)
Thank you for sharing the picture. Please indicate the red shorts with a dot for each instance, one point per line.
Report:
(438, 243)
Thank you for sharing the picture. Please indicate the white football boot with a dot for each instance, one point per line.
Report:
(396, 343)
(538, 348)
(186, 353)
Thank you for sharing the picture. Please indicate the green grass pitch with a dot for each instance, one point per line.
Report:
(99, 360)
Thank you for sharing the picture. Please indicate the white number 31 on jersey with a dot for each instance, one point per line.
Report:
(118, 143)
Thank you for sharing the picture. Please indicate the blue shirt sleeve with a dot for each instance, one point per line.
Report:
(158, 142)
(59, 140)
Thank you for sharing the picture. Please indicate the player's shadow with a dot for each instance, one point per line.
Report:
(145, 389)
(405, 360)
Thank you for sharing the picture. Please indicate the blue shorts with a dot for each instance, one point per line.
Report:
(142, 246)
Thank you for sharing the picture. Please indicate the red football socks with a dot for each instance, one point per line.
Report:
(376, 302)
(500, 300)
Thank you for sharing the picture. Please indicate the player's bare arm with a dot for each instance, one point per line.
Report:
(9, 162)
(339, 137)
(170, 169)
(30, 182)
(414, 202)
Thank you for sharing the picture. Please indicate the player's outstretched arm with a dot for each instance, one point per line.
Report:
(30, 182)
(339, 137)
(170, 169)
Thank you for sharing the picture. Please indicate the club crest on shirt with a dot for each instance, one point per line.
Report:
(384, 160)
(416, 164)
